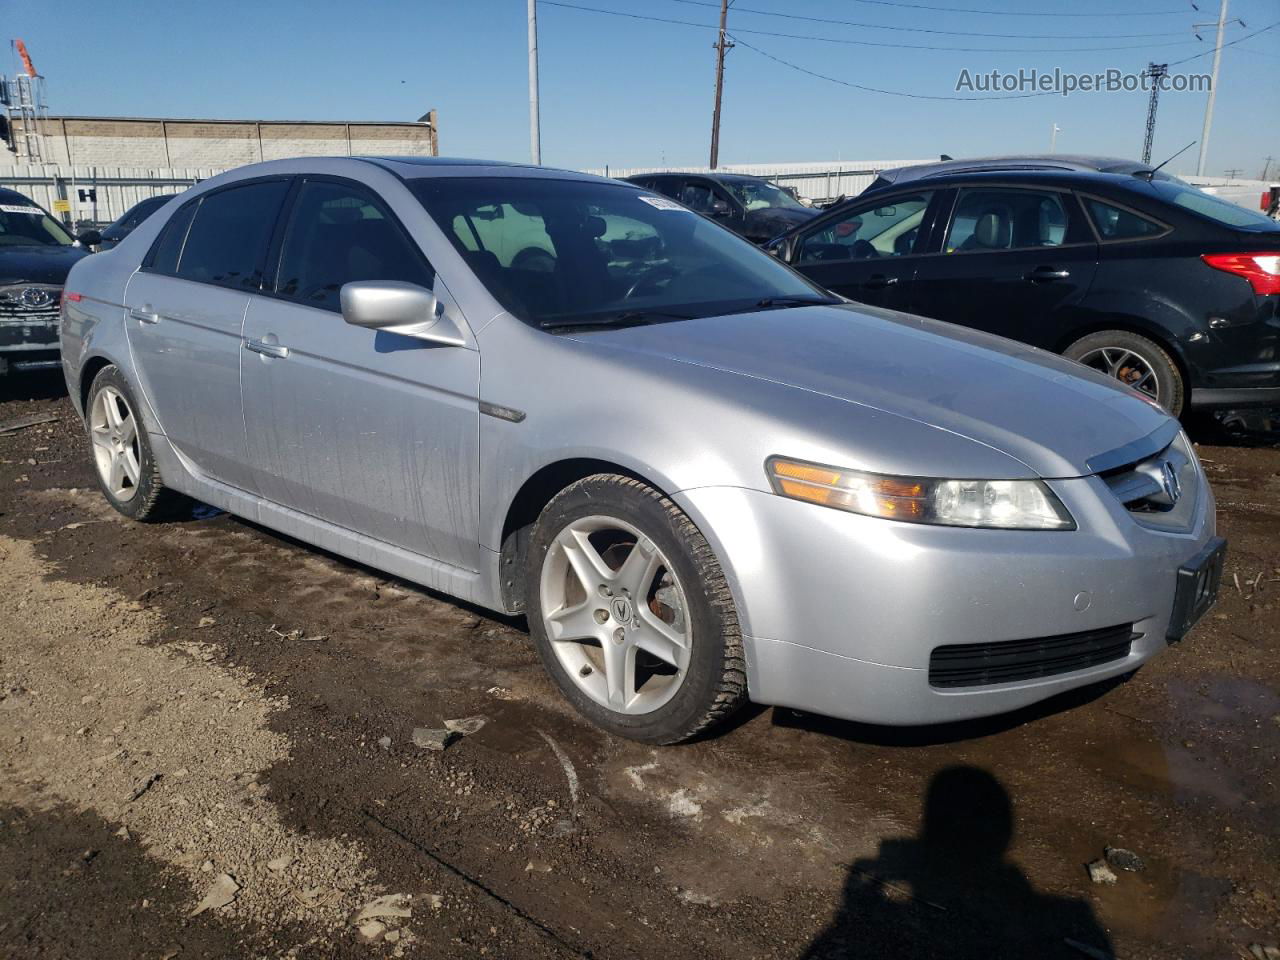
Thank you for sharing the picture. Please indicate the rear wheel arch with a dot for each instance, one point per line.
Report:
(88, 371)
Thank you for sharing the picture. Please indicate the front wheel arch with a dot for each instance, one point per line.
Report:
(539, 489)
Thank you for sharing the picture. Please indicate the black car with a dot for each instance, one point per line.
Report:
(36, 253)
(753, 207)
(131, 218)
(1108, 262)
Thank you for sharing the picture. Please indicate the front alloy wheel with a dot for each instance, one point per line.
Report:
(631, 613)
(615, 614)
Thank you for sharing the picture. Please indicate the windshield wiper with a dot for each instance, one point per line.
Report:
(782, 303)
(626, 318)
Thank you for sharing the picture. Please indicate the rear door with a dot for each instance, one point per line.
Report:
(186, 308)
(868, 251)
(366, 429)
(1012, 261)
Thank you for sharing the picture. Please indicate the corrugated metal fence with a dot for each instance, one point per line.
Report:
(100, 194)
(97, 194)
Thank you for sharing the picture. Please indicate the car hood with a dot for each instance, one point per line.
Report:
(1051, 414)
(769, 222)
(38, 264)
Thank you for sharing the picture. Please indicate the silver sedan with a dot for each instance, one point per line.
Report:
(702, 478)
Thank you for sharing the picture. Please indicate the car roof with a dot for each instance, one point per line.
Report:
(418, 168)
(13, 196)
(1046, 165)
(710, 174)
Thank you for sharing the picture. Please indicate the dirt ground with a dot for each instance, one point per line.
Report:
(206, 714)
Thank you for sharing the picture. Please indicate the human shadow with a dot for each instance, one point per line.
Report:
(952, 892)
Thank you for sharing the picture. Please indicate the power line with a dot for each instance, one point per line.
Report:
(1258, 53)
(864, 43)
(1019, 13)
(870, 89)
(949, 33)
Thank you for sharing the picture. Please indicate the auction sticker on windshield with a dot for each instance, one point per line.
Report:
(662, 203)
(14, 208)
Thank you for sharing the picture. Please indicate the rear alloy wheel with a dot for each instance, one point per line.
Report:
(631, 613)
(1136, 362)
(126, 469)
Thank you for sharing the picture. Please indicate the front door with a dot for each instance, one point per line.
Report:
(369, 430)
(867, 252)
(186, 308)
(1010, 259)
(714, 202)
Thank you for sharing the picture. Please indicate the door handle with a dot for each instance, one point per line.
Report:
(267, 349)
(879, 281)
(144, 316)
(1040, 274)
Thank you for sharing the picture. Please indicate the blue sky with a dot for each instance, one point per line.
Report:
(629, 92)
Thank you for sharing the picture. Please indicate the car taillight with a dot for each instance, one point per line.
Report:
(1262, 270)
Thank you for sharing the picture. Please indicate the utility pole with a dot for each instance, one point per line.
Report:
(1155, 72)
(1053, 138)
(1213, 89)
(535, 128)
(722, 46)
(1266, 167)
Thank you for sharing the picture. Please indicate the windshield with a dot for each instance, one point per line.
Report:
(568, 252)
(1220, 211)
(759, 194)
(23, 224)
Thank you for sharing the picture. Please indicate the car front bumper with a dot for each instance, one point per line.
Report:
(841, 613)
(28, 344)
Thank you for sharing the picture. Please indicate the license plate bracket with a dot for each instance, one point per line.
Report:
(1197, 591)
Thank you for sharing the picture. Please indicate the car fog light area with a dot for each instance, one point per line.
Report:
(999, 504)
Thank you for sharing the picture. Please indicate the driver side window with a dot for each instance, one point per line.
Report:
(883, 229)
(697, 195)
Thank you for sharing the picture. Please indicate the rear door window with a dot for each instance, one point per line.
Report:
(994, 219)
(1117, 223)
(228, 239)
(340, 232)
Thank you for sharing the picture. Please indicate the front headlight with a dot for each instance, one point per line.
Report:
(1001, 504)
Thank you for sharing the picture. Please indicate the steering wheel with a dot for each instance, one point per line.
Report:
(651, 278)
(863, 250)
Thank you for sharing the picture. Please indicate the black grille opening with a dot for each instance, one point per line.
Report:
(979, 664)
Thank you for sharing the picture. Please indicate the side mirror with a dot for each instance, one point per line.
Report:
(89, 238)
(778, 249)
(720, 208)
(396, 307)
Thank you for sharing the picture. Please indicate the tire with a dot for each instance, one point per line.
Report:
(1136, 361)
(686, 597)
(137, 490)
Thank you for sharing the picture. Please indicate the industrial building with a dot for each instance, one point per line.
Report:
(92, 169)
(160, 142)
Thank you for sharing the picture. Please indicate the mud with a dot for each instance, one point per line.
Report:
(786, 836)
